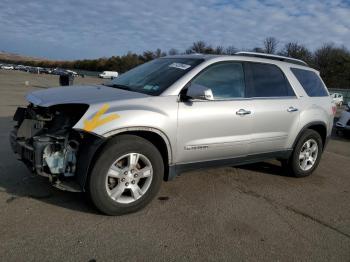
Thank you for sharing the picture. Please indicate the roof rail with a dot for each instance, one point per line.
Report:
(274, 57)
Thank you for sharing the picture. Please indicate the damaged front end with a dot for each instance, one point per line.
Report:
(44, 139)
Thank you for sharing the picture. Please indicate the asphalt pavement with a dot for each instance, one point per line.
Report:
(248, 213)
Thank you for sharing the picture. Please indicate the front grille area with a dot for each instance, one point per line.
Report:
(24, 152)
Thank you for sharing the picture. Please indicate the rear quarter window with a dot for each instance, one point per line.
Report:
(310, 81)
(267, 80)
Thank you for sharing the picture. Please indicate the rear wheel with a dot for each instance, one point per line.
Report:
(306, 154)
(126, 176)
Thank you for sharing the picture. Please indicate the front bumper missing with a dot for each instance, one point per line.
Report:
(31, 156)
(23, 151)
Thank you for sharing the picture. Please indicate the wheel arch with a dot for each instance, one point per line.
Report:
(148, 133)
(155, 136)
(318, 126)
(158, 138)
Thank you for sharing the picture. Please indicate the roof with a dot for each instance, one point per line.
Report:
(273, 57)
(244, 54)
(196, 56)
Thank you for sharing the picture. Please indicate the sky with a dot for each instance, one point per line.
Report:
(78, 29)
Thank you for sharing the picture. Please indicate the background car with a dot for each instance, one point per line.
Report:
(59, 71)
(7, 67)
(73, 73)
(343, 124)
(337, 98)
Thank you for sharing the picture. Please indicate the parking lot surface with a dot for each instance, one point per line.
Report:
(251, 213)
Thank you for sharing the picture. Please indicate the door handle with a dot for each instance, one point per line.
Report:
(292, 109)
(243, 112)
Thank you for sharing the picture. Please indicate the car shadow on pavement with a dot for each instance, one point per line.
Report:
(40, 86)
(18, 182)
(269, 168)
(343, 136)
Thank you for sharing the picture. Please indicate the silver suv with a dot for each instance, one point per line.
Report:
(118, 141)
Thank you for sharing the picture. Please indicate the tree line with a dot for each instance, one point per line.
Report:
(332, 61)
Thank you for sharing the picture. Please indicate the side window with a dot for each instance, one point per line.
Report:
(267, 81)
(311, 82)
(225, 80)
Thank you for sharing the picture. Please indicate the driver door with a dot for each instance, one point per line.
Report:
(219, 128)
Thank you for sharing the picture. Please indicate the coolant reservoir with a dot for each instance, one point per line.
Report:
(54, 160)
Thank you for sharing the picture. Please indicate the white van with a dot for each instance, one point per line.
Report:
(108, 74)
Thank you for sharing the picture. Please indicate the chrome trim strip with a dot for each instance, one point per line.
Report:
(247, 99)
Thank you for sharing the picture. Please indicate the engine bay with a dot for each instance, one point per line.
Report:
(45, 141)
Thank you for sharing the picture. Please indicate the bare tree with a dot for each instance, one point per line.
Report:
(173, 51)
(334, 65)
(258, 50)
(231, 50)
(200, 47)
(147, 55)
(219, 50)
(159, 53)
(323, 55)
(295, 50)
(270, 45)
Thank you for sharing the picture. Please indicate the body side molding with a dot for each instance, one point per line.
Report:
(175, 170)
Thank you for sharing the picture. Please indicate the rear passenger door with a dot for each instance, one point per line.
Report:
(275, 108)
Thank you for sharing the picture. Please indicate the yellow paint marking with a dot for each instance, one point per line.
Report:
(97, 121)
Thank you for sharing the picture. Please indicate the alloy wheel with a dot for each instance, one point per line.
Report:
(308, 154)
(129, 178)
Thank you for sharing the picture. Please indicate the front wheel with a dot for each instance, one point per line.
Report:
(306, 154)
(126, 176)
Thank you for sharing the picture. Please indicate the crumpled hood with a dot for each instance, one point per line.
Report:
(84, 94)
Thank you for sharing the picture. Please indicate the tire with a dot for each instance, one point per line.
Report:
(338, 132)
(294, 165)
(105, 189)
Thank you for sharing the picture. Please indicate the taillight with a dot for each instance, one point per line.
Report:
(334, 109)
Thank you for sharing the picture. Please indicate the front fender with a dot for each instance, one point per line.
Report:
(158, 113)
(152, 114)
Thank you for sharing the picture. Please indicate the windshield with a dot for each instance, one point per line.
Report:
(155, 76)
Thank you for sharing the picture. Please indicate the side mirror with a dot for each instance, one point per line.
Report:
(199, 92)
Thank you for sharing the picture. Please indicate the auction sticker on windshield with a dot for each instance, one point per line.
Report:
(179, 66)
(151, 87)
